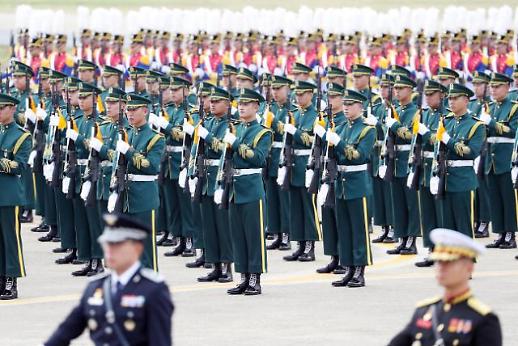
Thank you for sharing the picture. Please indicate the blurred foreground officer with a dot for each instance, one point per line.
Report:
(457, 318)
(130, 305)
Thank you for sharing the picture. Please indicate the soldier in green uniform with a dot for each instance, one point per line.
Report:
(143, 153)
(353, 143)
(404, 201)
(446, 77)
(301, 72)
(229, 79)
(15, 146)
(86, 71)
(456, 318)
(336, 75)
(513, 93)
(111, 78)
(138, 77)
(153, 89)
(250, 146)
(476, 105)
(304, 224)
(502, 121)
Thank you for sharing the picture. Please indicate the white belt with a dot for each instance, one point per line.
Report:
(498, 140)
(140, 177)
(355, 168)
(277, 145)
(403, 147)
(428, 154)
(379, 143)
(82, 162)
(302, 152)
(212, 162)
(174, 149)
(106, 163)
(460, 163)
(247, 171)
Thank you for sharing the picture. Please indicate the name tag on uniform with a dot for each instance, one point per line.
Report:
(130, 301)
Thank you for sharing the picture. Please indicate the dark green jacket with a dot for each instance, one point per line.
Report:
(403, 133)
(302, 140)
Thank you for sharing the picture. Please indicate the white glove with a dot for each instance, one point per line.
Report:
(41, 113)
(187, 127)
(85, 190)
(181, 178)
(202, 132)
(112, 200)
(32, 156)
(54, 120)
(486, 118)
(322, 194)
(30, 115)
(289, 128)
(161, 122)
(152, 119)
(309, 177)
(281, 174)
(419, 75)
(514, 174)
(65, 184)
(390, 121)
(445, 138)
(229, 138)
(332, 137)
(122, 147)
(319, 130)
(323, 106)
(434, 185)
(422, 129)
(96, 144)
(371, 120)
(72, 134)
(218, 196)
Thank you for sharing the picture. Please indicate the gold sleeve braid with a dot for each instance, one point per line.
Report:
(245, 151)
(404, 132)
(351, 153)
(140, 161)
(177, 133)
(7, 165)
(461, 149)
(306, 138)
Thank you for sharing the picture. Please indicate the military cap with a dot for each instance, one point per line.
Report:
(35, 42)
(136, 71)
(229, 69)
(8, 100)
(476, 39)
(164, 81)
(118, 39)
(434, 40)
(72, 83)
(86, 89)
(153, 76)
(166, 35)
(386, 79)
(500, 78)
(56, 76)
(178, 37)
(303, 86)
(398, 70)
(452, 245)
(456, 89)
(334, 71)
(137, 38)
(239, 36)
(503, 39)
(376, 41)
(177, 69)
(401, 39)
(61, 39)
(249, 95)
(404, 81)
(245, 73)
(217, 93)
(228, 35)
(359, 70)
(44, 72)
(446, 35)
(205, 88)
(86, 33)
(431, 86)
(480, 77)
(348, 39)
(97, 35)
(178, 82)
(84, 65)
(121, 227)
(353, 96)
(20, 69)
(334, 89)
(301, 68)
(49, 38)
(445, 72)
(135, 101)
(280, 81)
(115, 94)
(216, 38)
(421, 37)
(111, 71)
(292, 41)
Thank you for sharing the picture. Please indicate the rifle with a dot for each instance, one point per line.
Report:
(416, 156)
(314, 165)
(439, 164)
(514, 161)
(70, 169)
(225, 174)
(287, 158)
(330, 168)
(11, 45)
(57, 156)
(92, 172)
(388, 149)
(7, 82)
(267, 120)
(186, 149)
(200, 169)
(118, 182)
(481, 167)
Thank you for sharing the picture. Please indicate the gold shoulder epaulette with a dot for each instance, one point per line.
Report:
(259, 135)
(478, 306)
(153, 141)
(474, 128)
(428, 301)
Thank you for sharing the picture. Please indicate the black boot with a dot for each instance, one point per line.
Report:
(2, 284)
(59, 250)
(410, 247)
(241, 288)
(276, 242)
(213, 275)
(226, 273)
(189, 249)
(254, 285)
(509, 241)
(10, 290)
(68, 258)
(358, 279)
(330, 267)
(26, 216)
(340, 270)
(285, 242)
(84, 271)
(482, 231)
(496, 243)
(49, 236)
(383, 235)
(397, 250)
(160, 242)
(309, 252)
(177, 251)
(349, 271)
(199, 262)
(42, 227)
(97, 267)
(390, 237)
(295, 256)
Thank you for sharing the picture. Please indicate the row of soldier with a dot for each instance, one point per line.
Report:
(216, 169)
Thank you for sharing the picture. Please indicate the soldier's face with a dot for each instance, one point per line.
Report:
(120, 256)
(337, 80)
(458, 104)
(153, 87)
(206, 103)
(20, 82)
(74, 97)
(110, 81)
(454, 274)
(280, 95)
(244, 83)
(218, 107)
(353, 110)
(499, 91)
(304, 99)
(86, 75)
(112, 109)
(336, 103)
(45, 84)
(360, 82)
(86, 103)
(137, 116)
(479, 88)
(6, 114)
(178, 95)
(247, 110)
(403, 93)
(446, 81)
(167, 95)
(433, 99)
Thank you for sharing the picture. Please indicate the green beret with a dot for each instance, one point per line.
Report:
(249, 95)
(177, 69)
(229, 69)
(500, 78)
(134, 101)
(217, 93)
(135, 71)
(8, 100)
(431, 86)
(110, 71)
(480, 77)
(459, 90)
(44, 72)
(300, 68)
(178, 82)
(56, 76)
(280, 81)
(386, 79)
(302, 86)
(115, 94)
(84, 65)
(335, 89)
(445, 72)
(359, 70)
(153, 76)
(353, 96)
(205, 88)
(20, 69)
(245, 73)
(72, 83)
(403, 81)
(86, 89)
(333, 71)
(397, 70)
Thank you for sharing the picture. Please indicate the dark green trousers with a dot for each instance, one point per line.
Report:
(247, 227)
(161, 218)
(40, 195)
(502, 196)
(28, 184)
(382, 202)
(65, 215)
(149, 258)
(278, 207)
(304, 223)
(329, 231)
(429, 209)
(405, 209)
(11, 251)
(353, 232)
(483, 201)
(51, 217)
(216, 232)
(83, 240)
(197, 238)
(178, 209)
(457, 211)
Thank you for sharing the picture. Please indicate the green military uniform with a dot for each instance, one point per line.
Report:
(134, 73)
(15, 146)
(109, 71)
